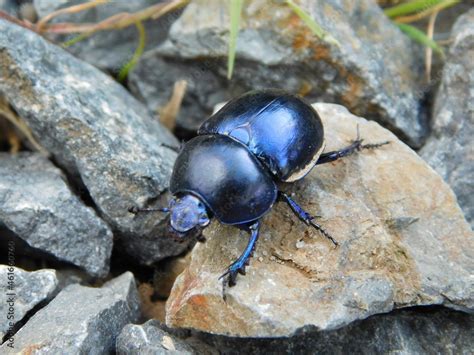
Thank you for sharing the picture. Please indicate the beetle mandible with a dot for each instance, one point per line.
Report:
(230, 170)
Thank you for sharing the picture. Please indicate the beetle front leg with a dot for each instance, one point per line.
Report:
(238, 266)
(304, 216)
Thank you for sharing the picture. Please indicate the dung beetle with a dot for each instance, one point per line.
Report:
(230, 170)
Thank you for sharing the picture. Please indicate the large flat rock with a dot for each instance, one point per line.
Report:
(403, 242)
(96, 131)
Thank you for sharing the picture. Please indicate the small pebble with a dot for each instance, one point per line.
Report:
(300, 244)
(168, 343)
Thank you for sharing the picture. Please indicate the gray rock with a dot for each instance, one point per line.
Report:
(38, 206)
(403, 241)
(80, 319)
(10, 7)
(420, 331)
(450, 149)
(149, 338)
(108, 49)
(96, 131)
(21, 292)
(375, 72)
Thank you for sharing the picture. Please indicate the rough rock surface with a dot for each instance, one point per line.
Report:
(22, 291)
(413, 331)
(39, 207)
(95, 130)
(81, 319)
(403, 242)
(375, 71)
(108, 49)
(149, 338)
(450, 149)
(9, 6)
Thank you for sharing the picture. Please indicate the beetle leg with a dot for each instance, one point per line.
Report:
(349, 150)
(238, 266)
(304, 216)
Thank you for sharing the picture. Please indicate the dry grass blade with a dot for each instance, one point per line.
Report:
(429, 50)
(69, 10)
(11, 116)
(22, 23)
(170, 111)
(117, 21)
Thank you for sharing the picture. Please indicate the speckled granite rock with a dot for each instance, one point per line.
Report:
(80, 320)
(403, 242)
(108, 49)
(21, 291)
(39, 207)
(96, 131)
(375, 72)
(450, 149)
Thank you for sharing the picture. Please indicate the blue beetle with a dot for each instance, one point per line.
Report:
(230, 170)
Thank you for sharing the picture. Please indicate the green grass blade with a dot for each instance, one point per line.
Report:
(235, 15)
(410, 7)
(136, 55)
(77, 38)
(313, 26)
(420, 37)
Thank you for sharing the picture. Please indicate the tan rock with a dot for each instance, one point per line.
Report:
(403, 242)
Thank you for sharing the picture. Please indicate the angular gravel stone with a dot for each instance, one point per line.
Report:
(96, 131)
(21, 291)
(375, 71)
(403, 242)
(450, 149)
(149, 338)
(108, 49)
(81, 320)
(38, 206)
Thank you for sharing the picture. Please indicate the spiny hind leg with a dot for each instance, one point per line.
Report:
(305, 216)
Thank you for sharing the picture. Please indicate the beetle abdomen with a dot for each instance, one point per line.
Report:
(226, 176)
(281, 130)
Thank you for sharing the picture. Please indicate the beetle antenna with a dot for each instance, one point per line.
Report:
(136, 210)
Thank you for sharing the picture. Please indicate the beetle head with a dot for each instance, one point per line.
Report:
(187, 212)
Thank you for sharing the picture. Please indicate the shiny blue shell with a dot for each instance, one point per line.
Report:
(226, 176)
(282, 130)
